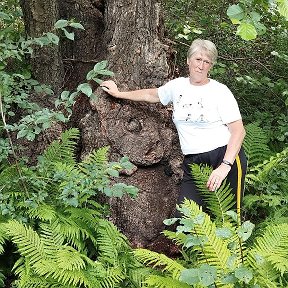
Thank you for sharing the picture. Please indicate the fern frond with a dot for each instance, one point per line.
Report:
(261, 171)
(214, 251)
(43, 212)
(273, 247)
(51, 237)
(3, 236)
(27, 240)
(62, 150)
(161, 261)
(99, 157)
(138, 276)
(178, 238)
(218, 202)
(113, 277)
(156, 281)
(111, 243)
(255, 144)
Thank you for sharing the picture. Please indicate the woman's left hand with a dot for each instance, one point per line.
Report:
(217, 176)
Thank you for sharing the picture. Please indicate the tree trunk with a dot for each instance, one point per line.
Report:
(46, 62)
(128, 33)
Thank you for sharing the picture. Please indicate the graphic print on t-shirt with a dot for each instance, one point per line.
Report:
(194, 109)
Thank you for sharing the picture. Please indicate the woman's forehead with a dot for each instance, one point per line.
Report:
(201, 53)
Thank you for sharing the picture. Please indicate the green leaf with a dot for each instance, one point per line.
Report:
(105, 72)
(4, 16)
(190, 276)
(170, 221)
(22, 133)
(283, 8)
(188, 224)
(53, 38)
(64, 95)
(233, 215)
(97, 80)
(85, 88)
(245, 231)
(100, 66)
(61, 23)
(246, 31)
(76, 25)
(207, 274)
(244, 274)
(194, 241)
(224, 233)
(229, 279)
(113, 172)
(69, 35)
(235, 13)
(90, 75)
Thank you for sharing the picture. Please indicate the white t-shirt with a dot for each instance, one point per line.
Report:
(200, 113)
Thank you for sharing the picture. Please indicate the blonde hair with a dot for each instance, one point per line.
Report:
(203, 46)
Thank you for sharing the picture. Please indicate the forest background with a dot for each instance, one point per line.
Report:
(53, 57)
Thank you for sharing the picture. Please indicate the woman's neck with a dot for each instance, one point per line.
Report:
(199, 82)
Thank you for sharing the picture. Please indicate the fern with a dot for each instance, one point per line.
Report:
(255, 144)
(27, 240)
(214, 250)
(155, 259)
(218, 202)
(62, 150)
(111, 243)
(273, 247)
(156, 281)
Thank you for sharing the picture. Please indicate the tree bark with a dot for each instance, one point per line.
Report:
(129, 34)
(46, 62)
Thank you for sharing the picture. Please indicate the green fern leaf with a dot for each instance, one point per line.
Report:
(159, 260)
(27, 240)
(272, 247)
(218, 202)
(111, 243)
(214, 251)
(255, 144)
(156, 281)
(61, 150)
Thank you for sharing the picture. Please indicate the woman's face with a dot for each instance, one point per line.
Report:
(199, 65)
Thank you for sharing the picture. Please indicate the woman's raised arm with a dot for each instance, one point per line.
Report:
(145, 95)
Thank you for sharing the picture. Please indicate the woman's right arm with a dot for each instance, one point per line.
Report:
(146, 95)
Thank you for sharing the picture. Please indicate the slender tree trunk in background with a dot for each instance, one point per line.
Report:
(129, 34)
(46, 62)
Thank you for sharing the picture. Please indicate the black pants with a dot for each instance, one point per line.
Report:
(213, 158)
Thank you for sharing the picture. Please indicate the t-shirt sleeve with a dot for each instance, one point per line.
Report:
(228, 107)
(165, 93)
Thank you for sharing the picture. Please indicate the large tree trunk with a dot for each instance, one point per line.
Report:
(128, 33)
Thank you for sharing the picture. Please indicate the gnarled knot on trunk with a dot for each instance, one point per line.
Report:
(133, 125)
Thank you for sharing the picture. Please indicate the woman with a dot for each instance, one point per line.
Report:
(207, 119)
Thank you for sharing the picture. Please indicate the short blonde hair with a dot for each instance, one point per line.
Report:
(203, 46)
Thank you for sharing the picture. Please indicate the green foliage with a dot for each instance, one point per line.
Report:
(256, 144)
(246, 15)
(226, 254)
(18, 113)
(58, 179)
(267, 187)
(49, 213)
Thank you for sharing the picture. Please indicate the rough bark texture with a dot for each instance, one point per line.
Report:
(46, 62)
(128, 33)
(141, 131)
